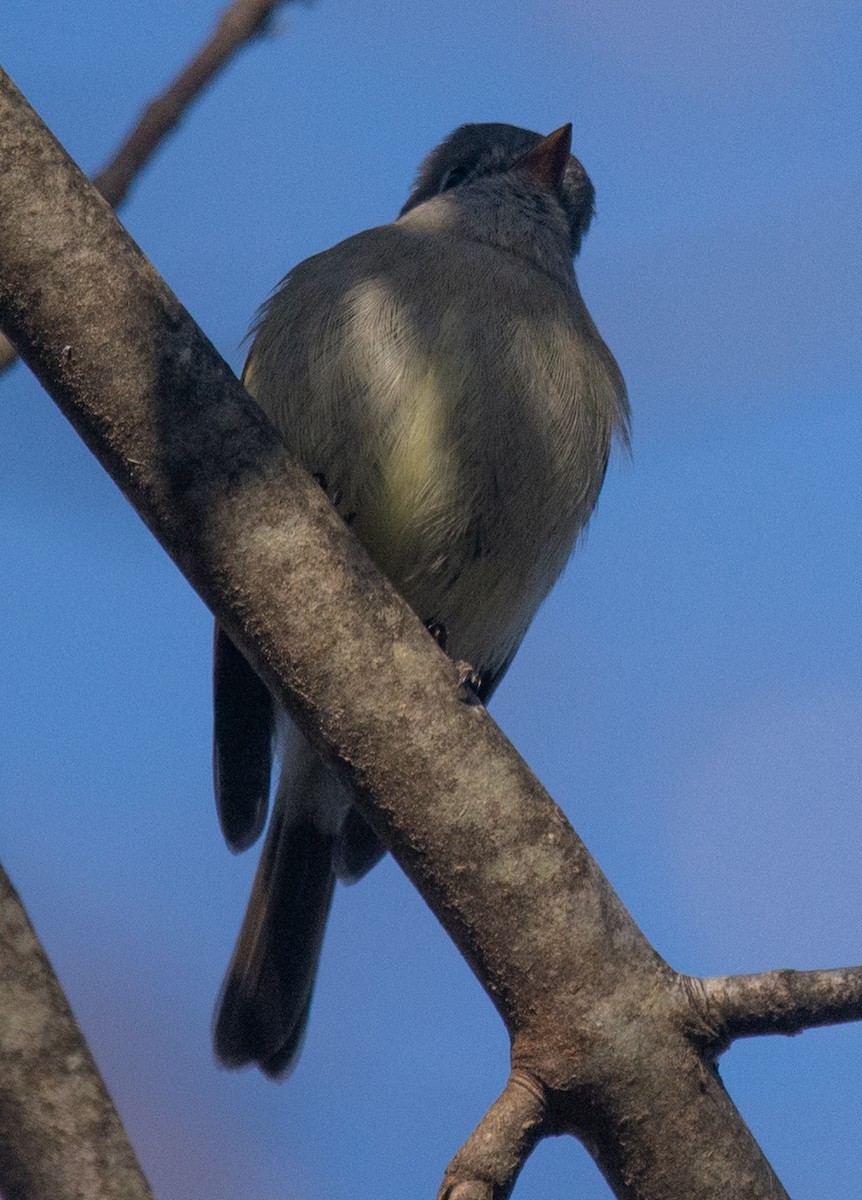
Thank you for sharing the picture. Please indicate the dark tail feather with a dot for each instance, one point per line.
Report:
(357, 848)
(243, 720)
(263, 1007)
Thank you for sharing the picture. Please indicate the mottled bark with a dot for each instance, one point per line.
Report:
(60, 1136)
(780, 1002)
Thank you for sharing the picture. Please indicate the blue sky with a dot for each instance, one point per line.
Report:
(692, 691)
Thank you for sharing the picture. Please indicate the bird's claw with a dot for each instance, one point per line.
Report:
(469, 683)
(438, 633)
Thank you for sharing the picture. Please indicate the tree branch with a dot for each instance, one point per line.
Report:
(736, 1006)
(243, 21)
(487, 1165)
(596, 1018)
(239, 24)
(60, 1136)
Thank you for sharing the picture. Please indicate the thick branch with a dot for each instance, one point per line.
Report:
(594, 1013)
(60, 1136)
(780, 1001)
(239, 24)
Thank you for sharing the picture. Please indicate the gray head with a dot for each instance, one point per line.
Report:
(474, 152)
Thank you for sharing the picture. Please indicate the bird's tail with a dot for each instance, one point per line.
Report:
(263, 1007)
(315, 835)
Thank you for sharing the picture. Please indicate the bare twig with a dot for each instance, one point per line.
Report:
(60, 1136)
(238, 26)
(787, 1002)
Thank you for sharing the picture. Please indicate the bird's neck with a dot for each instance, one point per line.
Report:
(498, 213)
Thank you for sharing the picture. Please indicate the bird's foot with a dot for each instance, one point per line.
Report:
(334, 496)
(438, 633)
(469, 683)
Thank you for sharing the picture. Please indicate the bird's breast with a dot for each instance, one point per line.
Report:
(459, 411)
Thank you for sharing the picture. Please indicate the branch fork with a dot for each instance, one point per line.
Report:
(608, 1042)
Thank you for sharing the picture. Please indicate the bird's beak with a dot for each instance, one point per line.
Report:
(546, 161)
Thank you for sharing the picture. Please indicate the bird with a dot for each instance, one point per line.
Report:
(441, 378)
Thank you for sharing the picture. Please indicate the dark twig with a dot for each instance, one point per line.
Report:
(737, 1006)
(60, 1136)
(239, 24)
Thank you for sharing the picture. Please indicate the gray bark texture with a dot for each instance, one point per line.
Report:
(608, 1042)
(60, 1136)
